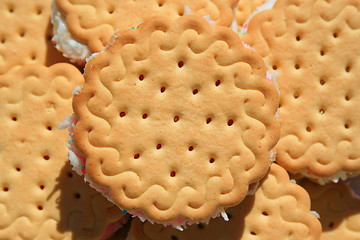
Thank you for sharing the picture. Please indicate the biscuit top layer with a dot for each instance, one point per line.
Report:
(314, 47)
(279, 209)
(176, 119)
(40, 197)
(94, 22)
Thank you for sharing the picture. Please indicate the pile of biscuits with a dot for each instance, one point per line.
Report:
(180, 119)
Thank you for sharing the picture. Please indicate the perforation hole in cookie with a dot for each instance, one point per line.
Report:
(14, 118)
(308, 129)
(265, 213)
(298, 38)
(253, 233)
(77, 195)
(321, 111)
(6, 189)
(230, 122)
(347, 98)
(180, 64)
(122, 114)
(145, 116)
(22, 33)
(18, 169)
(111, 9)
(274, 67)
(42, 187)
(49, 128)
(162, 89)
(46, 157)
(347, 125)
(33, 56)
(335, 34)
(195, 91)
(10, 8)
(158, 146)
(40, 207)
(141, 77)
(176, 118)
(191, 148)
(296, 95)
(297, 66)
(137, 156)
(322, 52)
(172, 174)
(39, 10)
(217, 83)
(212, 160)
(348, 68)
(160, 3)
(322, 81)
(208, 120)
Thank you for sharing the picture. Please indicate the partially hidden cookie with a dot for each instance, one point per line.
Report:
(279, 209)
(175, 120)
(40, 197)
(25, 34)
(85, 27)
(339, 210)
(313, 46)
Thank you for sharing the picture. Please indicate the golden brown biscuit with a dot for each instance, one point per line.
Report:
(85, 27)
(25, 34)
(278, 210)
(176, 120)
(40, 197)
(339, 210)
(314, 47)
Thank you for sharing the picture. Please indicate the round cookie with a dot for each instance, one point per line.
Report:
(313, 47)
(85, 27)
(279, 209)
(175, 120)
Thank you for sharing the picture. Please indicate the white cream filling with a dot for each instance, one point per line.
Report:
(269, 4)
(64, 42)
(324, 180)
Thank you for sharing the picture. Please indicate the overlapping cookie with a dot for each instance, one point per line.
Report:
(25, 34)
(85, 27)
(40, 197)
(279, 209)
(313, 44)
(175, 120)
(339, 209)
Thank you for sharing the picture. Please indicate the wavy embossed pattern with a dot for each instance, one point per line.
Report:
(278, 210)
(94, 22)
(23, 34)
(176, 119)
(40, 197)
(339, 209)
(313, 46)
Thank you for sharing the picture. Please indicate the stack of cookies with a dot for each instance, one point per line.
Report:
(208, 119)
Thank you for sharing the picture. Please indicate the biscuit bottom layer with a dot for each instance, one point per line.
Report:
(342, 175)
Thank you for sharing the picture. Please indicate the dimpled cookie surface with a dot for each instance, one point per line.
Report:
(40, 197)
(25, 34)
(176, 119)
(314, 47)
